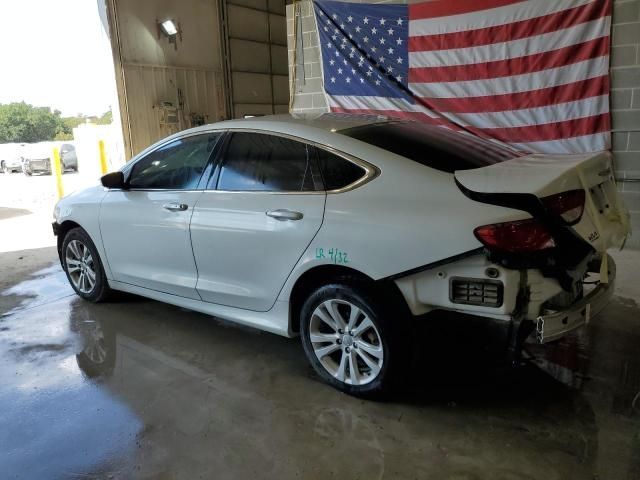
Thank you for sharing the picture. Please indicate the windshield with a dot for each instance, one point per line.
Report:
(435, 147)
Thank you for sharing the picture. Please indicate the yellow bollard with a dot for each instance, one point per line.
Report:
(103, 157)
(57, 171)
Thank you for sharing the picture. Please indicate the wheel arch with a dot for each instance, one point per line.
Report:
(62, 231)
(325, 274)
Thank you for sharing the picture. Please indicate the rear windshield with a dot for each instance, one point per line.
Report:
(435, 147)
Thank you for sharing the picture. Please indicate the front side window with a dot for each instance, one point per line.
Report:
(262, 162)
(175, 166)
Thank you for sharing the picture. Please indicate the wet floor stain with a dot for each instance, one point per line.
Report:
(138, 389)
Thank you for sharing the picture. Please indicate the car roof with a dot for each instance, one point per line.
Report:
(313, 127)
(332, 122)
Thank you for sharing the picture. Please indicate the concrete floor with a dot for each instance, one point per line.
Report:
(136, 388)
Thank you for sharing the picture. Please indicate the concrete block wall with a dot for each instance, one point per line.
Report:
(308, 97)
(306, 82)
(625, 105)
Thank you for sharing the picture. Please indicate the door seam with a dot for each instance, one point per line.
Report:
(193, 254)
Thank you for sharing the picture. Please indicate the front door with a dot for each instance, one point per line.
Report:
(249, 233)
(145, 228)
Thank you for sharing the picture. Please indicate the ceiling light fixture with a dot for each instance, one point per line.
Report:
(169, 28)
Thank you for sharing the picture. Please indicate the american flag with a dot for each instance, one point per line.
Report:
(531, 73)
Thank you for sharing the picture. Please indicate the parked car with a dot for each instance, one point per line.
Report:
(37, 158)
(342, 228)
(68, 157)
(11, 157)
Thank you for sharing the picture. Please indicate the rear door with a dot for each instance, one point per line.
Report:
(249, 232)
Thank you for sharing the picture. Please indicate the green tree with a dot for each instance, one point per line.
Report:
(69, 123)
(63, 136)
(106, 118)
(21, 122)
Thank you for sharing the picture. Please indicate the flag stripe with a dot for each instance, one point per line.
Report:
(509, 32)
(512, 49)
(582, 143)
(520, 100)
(584, 107)
(585, 143)
(517, 83)
(592, 121)
(513, 66)
(552, 130)
(445, 8)
(481, 19)
(382, 103)
(419, 116)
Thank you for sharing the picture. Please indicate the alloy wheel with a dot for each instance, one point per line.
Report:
(80, 266)
(346, 342)
(95, 348)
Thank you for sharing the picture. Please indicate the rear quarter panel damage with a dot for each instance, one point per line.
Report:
(407, 217)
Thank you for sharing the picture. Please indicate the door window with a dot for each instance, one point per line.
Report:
(175, 166)
(336, 171)
(261, 162)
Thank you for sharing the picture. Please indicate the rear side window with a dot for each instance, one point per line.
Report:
(435, 147)
(336, 171)
(262, 162)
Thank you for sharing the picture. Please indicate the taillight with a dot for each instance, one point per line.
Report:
(569, 205)
(520, 236)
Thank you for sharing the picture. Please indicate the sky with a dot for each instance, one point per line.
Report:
(55, 53)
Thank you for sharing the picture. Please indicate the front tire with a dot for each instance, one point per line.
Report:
(83, 266)
(351, 339)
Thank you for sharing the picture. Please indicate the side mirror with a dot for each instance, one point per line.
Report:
(113, 180)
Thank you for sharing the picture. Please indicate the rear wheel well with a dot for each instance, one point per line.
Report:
(326, 274)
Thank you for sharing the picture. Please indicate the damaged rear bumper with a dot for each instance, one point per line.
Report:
(555, 325)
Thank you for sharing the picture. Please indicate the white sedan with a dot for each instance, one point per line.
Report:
(342, 228)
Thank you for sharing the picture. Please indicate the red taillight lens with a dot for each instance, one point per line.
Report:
(516, 237)
(569, 205)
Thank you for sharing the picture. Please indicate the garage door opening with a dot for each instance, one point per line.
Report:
(228, 59)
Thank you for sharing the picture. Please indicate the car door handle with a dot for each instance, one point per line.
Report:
(175, 207)
(282, 214)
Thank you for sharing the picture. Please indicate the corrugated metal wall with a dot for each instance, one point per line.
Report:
(201, 92)
(257, 52)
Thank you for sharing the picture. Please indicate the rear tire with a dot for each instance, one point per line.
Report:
(352, 340)
(3, 168)
(82, 264)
